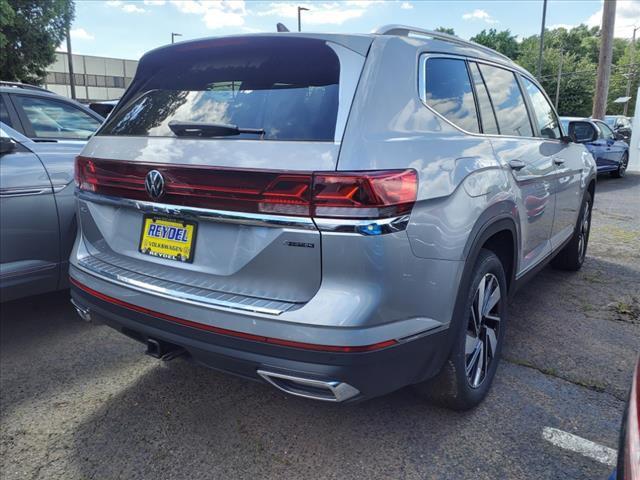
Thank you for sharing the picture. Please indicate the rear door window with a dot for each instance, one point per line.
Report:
(448, 91)
(4, 112)
(487, 115)
(50, 118)
(544, 114)
(289, 88)
(508, 101)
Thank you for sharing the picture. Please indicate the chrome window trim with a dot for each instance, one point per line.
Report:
(422, 65)
(202, 214)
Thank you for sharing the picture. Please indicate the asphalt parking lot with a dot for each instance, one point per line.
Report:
(79, 401)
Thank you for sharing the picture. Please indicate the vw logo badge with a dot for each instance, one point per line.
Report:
(154, 184)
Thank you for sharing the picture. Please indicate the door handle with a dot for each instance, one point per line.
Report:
(517, 164)
(558, 161)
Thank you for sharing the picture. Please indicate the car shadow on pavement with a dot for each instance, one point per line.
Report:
(46, 351)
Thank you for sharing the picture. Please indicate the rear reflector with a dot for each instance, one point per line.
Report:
(233, 333)
(366, 195)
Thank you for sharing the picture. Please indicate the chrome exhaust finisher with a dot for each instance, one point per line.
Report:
(84, 312)
(328, 391)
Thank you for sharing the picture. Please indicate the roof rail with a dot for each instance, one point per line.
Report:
(405, 31)
(26, 86)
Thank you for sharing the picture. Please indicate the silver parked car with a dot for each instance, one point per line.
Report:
(41, 133)
(337, 215)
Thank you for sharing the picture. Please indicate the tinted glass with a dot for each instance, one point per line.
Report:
(287, 87)
(581, 131)
(605, 132)
(4, 113)
(507, 101)
(448, 91)
(54, 119)
(489, 123)
(543, 112)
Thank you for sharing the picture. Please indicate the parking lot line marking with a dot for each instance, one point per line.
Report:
(580, 445)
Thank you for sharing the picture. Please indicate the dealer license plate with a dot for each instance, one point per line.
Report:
(168, 238)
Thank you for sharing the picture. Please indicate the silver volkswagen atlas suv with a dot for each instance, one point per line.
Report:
(337, 215)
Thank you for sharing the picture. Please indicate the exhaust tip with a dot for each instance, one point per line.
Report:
(83, 312)
(328, 391)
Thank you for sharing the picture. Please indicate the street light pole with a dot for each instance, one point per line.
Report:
(174, 35)
(559, 78)
(631, 71)
(72, 78)
(544, 18)
(301, 9)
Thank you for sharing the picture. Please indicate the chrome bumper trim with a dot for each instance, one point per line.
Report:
(336, 391)
(202, 214)
(191, 295)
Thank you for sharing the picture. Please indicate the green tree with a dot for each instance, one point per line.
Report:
(503, 41)
(448, 30)
(619, 78)
(31, 31)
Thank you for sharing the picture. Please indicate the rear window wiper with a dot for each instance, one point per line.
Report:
(205, 129)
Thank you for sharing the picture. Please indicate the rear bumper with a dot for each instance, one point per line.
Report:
(371, 373)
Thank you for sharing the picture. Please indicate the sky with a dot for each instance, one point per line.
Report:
(129, 28)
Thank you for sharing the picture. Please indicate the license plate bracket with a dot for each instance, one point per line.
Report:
(168, 238)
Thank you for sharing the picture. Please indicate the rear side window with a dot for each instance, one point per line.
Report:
(508, 102)
(287, 87)
(55, 119)
(489, 122)
(4, 113)
(448, 91)
(543, 112)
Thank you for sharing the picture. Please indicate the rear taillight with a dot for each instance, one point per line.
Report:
(362, 195)
(377, 194)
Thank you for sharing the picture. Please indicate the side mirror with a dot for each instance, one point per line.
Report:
(7, 145)
(571, 138)
(582, 132)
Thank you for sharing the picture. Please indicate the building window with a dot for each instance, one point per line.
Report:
(62, 78)
(127, 82)
(91, 81)
(78, 78)
(51, 78)
(100, 81)
(118, 82)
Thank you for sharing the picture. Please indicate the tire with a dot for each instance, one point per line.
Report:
(622, 168)
(572, 256)
(467, 374)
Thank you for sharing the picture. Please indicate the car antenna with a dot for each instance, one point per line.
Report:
(280, 27)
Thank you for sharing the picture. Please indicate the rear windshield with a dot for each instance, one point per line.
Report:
(287, 88)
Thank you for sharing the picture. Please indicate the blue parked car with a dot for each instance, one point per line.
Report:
(609, 150)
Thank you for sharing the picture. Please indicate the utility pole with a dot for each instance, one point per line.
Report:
(604, 62)
(174, 35)
(544, 18)
(301, 9)
(631, 73)
(72, 79)
(559, 77)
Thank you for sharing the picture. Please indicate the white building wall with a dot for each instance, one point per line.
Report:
(97, 78)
